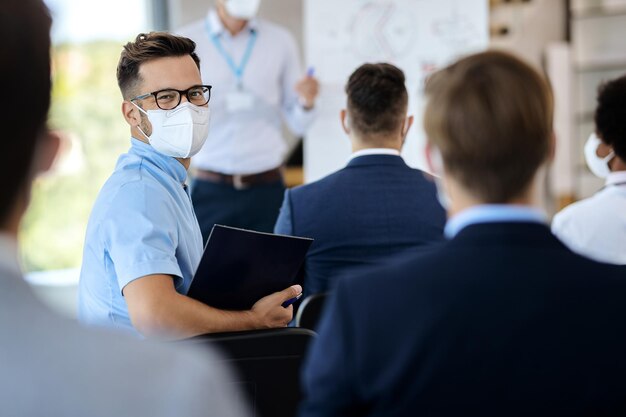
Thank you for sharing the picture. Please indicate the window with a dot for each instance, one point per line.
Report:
(87, 41)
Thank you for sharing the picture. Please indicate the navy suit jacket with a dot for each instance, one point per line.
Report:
(503, 320)
(374, 208)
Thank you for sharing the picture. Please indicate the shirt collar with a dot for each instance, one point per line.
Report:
(216, 28)
(614, 178)
(170, 165)
(9, 254)
(493, 213)
(374, 151)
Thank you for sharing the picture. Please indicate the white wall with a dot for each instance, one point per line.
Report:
(532, 26)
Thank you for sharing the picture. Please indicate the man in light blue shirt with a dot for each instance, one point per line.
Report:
(143, 242)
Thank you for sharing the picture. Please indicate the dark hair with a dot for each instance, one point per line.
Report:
(490, 115)
(25, 73)
(377, 99)
(145, 48)
(610, 116)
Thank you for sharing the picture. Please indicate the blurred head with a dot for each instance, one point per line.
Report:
(153, 62)
(376, 114)
(239, 9)
(490, 117)
(610, 122)
(25, 71)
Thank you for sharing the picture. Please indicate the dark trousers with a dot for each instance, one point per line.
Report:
(255, 207)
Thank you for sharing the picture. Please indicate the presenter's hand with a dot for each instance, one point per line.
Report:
(308, 88)
(269, 312)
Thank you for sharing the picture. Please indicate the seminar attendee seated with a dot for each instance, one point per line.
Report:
(596, 227)
(501, 320)
(377, 206)
(143, 241)
(51, 366)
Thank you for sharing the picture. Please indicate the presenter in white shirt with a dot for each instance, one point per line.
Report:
(596, 227)
(258, 83)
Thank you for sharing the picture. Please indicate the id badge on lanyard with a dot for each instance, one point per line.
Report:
(239, 100)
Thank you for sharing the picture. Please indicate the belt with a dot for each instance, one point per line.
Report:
(240, 181)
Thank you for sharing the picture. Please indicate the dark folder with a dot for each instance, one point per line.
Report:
(240, 266)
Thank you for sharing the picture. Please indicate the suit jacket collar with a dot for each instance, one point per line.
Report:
(366, 160)
(507, 234)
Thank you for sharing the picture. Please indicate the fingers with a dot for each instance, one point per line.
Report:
(291, 292)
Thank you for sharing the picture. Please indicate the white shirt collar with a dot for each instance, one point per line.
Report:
(215, 26)
(616, 178)
(9, 254)
(374, 151)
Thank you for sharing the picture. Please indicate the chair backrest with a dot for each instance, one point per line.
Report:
(267, 363)
(310, 311)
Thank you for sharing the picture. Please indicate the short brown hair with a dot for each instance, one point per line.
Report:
(25, 71)
(490, 115)
(377, 99)
(147, 47)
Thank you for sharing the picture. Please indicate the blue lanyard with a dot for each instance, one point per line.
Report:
(237, 70)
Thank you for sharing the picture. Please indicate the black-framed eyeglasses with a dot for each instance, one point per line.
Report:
(170, 98)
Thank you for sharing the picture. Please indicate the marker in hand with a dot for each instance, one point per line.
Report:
(291, 300)
(310, 72)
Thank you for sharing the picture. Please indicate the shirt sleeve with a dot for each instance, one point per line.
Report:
(141, 234)
(296, 117)
(328, 376)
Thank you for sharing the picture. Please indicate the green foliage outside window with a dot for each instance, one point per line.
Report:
(86, 107)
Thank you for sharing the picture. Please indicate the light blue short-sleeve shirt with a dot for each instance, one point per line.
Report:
(142, 223)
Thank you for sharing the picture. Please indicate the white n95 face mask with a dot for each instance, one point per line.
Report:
(599, 166)
(180, 132)
(242, 9)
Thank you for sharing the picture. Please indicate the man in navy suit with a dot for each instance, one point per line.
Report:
(501, 320)
(377, 206)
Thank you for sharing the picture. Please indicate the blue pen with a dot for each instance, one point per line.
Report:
(310, 72)
(291, 301)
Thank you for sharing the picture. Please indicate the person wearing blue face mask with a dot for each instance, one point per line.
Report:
(596, 227)
(143, 242)
(259, 86)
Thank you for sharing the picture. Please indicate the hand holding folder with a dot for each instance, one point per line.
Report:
(239, 267)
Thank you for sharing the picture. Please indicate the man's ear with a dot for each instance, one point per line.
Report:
(406, 126)
(552, 149)
(131, 113)
(47, 151)
(343, 116)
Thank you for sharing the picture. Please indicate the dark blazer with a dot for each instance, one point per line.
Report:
(503, 320)
(374, 208)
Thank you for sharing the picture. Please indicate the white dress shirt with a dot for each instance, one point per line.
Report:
(374, 151)
(248, 141)
(596, 227)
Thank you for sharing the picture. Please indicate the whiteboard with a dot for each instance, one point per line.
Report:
(418, 36)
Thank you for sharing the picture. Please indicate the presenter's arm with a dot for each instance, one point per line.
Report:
(284, 223)
(157, 310)
(299, 90)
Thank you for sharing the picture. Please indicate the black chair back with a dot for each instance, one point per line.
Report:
(267, 363)
(310, 311)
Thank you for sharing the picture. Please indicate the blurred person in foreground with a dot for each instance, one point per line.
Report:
(503, 319)
(376, 207)
(143, 243)
(596, 227)
(48, 365)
